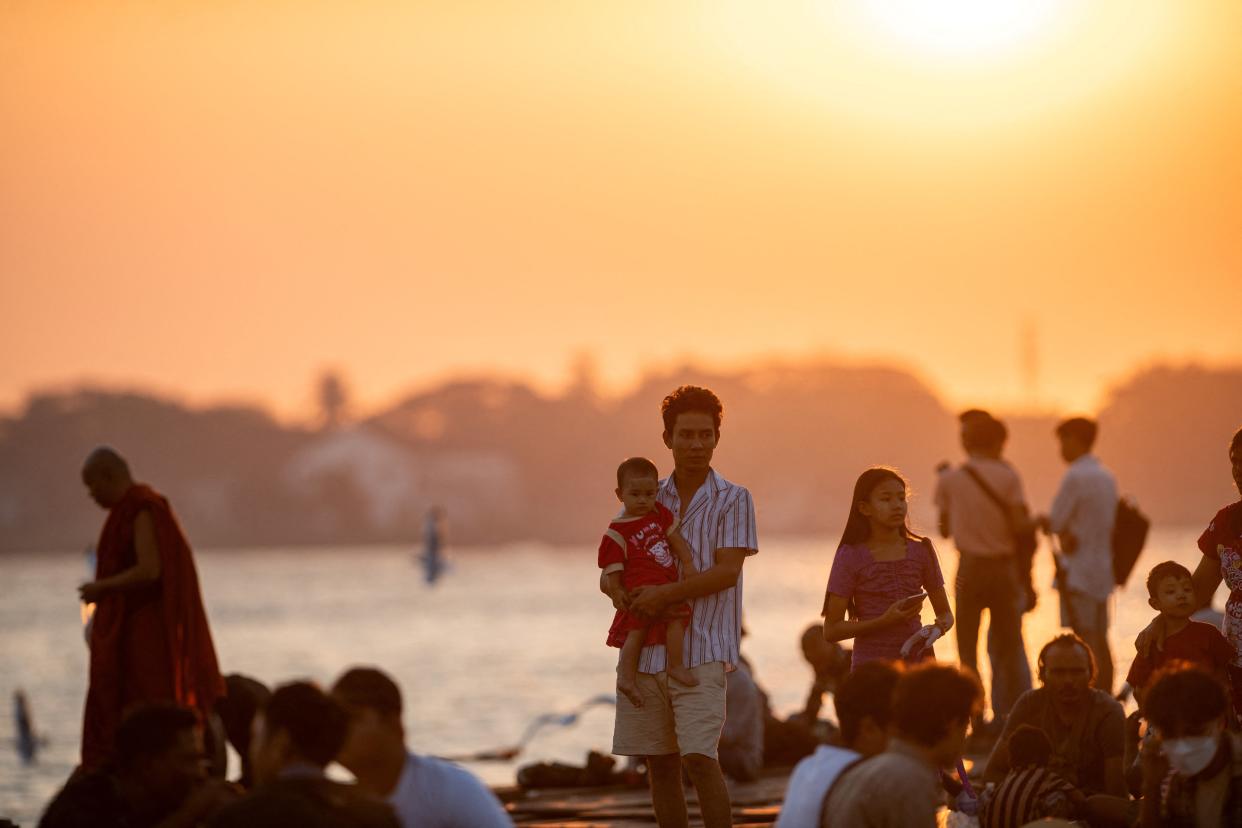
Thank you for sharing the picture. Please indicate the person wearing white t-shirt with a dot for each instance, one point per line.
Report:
(424, 791)
(863, 701)
(1082, 517)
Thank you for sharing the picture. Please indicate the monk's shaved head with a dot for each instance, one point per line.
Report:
(106, 475)
(107, 460)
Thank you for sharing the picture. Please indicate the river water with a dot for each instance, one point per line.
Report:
(509, 633)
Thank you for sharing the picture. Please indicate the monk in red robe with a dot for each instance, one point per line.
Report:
(149, 639)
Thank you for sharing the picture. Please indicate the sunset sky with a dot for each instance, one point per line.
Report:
(218, 199)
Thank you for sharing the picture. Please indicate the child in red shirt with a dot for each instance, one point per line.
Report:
(1171, 592)
(637, 550)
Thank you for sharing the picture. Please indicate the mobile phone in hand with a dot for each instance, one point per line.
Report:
(913, 599)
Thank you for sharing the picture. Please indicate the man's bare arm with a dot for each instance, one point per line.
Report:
(724, 574)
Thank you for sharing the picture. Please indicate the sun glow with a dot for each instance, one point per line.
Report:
(963, 28)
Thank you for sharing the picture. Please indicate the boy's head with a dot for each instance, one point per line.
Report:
(932, 708)
(1028, 747)
(1170, 590)
(1077, 436)
(864, 702)
(638, 481)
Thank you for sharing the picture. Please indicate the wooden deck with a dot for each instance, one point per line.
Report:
(754, 804)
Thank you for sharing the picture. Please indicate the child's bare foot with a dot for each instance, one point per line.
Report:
(628, 688)
(682, 676)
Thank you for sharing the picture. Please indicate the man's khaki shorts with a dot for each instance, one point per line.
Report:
(674, 718)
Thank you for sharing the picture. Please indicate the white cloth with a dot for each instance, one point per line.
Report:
(809, 784)
(432, 793)
(1086, 507)
(721, 515)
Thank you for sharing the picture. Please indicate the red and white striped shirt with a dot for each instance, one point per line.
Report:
(721, 515)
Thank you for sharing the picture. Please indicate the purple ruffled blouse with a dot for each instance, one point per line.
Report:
(875, 585)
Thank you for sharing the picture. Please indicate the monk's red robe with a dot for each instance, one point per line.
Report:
(151, 643)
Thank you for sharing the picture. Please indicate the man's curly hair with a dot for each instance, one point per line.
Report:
(688, 398)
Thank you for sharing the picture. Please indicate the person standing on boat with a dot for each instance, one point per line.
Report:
(679, 726)
(150, 640)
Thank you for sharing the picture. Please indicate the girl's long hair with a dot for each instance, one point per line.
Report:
(858, 525)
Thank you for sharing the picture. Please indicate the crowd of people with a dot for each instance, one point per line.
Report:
(159, 711)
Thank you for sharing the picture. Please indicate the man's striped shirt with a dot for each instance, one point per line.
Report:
(721, 515)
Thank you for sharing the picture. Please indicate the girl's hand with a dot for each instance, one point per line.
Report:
(903, 609)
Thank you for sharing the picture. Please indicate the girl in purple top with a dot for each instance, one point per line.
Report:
(882, 572)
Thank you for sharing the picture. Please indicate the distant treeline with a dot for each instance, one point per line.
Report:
(507, 463)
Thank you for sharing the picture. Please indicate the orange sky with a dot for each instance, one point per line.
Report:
(219, 198)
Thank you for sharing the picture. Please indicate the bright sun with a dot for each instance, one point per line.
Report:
(962, 28)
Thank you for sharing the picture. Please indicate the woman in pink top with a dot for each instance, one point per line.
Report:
(881, 573)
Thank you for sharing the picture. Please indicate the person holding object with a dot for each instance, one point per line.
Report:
(149, 640)
(1221, 545)
(884, 572)
(678, 726)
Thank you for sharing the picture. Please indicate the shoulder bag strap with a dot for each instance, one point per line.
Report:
(990, 492)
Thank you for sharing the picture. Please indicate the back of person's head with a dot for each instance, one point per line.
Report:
(1183, 698)
(243, 699)
(1028, 747)
(981, 431)
(1235, 445)
(857, 525)
(1079, 429)
(931, 699)
(150, 731)
(866, 693)
(314, 723)
(1165, 569)
(636, 467)
(369, 688)
(690, 398)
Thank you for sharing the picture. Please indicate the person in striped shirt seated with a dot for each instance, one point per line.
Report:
(1030, 791)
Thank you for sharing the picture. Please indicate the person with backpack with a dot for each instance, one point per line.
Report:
(1082, 517)
(983, 507)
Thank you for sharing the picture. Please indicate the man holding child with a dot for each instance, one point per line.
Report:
(679, 725)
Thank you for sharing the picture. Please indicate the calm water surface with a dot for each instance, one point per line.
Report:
(509, 633)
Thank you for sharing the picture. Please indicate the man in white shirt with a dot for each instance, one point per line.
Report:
(864, 702)
(1082, 517)
(424, 791)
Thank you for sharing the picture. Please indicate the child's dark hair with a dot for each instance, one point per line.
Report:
(866, 692)
(1182, 698)
(1165, 569)
(1081, 429)
(1028, 747)
(687, 398)
(857, 526)
(1235, 445)
(931, 698)
(636, 467)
